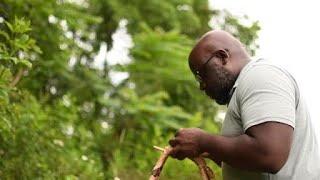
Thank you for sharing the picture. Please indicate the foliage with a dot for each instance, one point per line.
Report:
(62, 118)
(17, 41)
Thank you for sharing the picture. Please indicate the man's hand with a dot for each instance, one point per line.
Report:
(187, 143)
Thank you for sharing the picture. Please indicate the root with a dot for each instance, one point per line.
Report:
(205, 172)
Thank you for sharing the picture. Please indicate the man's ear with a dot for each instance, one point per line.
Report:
(223, 55)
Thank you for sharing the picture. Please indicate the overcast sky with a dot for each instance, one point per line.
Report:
(290, 35)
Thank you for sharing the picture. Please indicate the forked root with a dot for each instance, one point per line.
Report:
(205, 172)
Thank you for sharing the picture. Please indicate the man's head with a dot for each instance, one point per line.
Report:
(216, 61)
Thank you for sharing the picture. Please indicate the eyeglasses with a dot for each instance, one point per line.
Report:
(199, 74)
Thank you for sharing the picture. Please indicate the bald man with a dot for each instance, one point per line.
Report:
(267, 132)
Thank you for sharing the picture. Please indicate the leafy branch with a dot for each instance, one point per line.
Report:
(16, 48)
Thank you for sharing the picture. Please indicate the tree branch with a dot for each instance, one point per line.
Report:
(205, 172)
(17, 78)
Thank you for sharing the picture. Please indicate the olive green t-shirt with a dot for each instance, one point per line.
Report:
(265, 92)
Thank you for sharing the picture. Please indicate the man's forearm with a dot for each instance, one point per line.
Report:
(242, 152)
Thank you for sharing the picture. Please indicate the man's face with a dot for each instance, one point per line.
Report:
(218, 83)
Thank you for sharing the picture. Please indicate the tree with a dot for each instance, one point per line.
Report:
(61, 117)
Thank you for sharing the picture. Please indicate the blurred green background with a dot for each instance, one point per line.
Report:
(62, 117)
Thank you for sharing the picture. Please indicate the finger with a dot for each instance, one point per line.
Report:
(181, 157)
(174, 151)
(173, 142)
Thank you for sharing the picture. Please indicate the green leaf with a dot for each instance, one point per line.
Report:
(24, 38)
(4, 96)
(5, 35)
(25, 63)
(37, 49)
(14, 59)
(9, 26)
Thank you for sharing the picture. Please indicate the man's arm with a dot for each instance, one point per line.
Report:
(264, 147)
(215, 159)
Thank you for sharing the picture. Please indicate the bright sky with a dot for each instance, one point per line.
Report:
(290, 36)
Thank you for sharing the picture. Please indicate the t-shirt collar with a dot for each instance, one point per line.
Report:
(243, 70)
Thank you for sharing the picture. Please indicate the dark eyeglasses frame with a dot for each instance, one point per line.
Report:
(198, 75)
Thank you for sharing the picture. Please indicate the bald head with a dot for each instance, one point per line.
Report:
(217, 60)
(221, 39)
(213, 41)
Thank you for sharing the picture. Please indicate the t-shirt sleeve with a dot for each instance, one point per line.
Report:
(266, 93)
